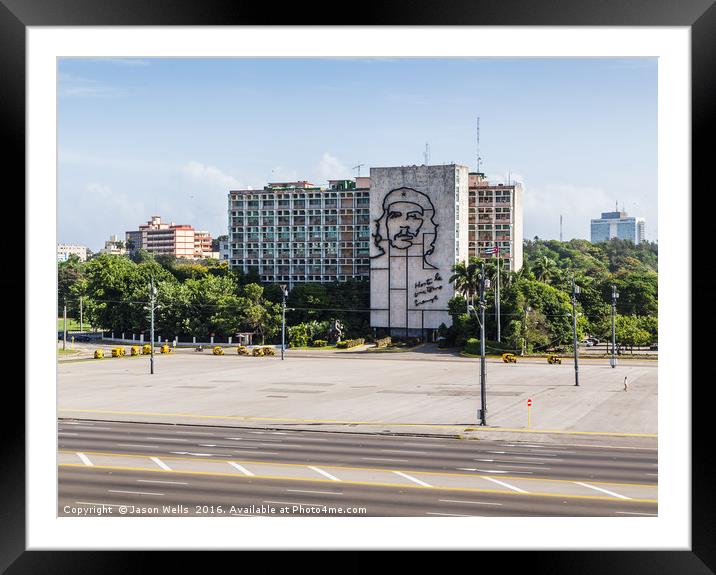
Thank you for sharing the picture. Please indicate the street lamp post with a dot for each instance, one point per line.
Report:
(615, 296)
(575, 290)
(284, 293)
(483, 284)
(524, 330)
(152, 308)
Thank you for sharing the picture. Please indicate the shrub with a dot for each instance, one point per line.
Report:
(348, 343)
(383, 342)
(242, 350)
(268, 351)
(319, 343)
(472, 345)
(258, 351)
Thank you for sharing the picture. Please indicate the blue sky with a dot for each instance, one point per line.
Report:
(139, 137)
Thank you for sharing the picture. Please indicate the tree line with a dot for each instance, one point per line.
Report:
(200, 298)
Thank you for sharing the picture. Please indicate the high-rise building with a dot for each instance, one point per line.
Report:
(495, 219)
(180, 241)
(617, 225)
(419, 230)
(64, 251)
(296, 232)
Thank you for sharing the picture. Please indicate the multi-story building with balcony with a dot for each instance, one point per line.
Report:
(180, 241)
(296, 232)
(495, 219)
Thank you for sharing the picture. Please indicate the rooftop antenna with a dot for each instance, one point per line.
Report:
(560, 227)
(479, 158)
(358, 167)
(427, 153)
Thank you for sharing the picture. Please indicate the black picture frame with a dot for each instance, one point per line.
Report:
(699, 15)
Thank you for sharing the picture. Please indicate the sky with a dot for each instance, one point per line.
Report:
(171, 137)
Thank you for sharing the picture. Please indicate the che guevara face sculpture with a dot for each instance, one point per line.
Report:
(407, 220)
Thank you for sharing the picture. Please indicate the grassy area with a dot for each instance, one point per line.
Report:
(311, 347)
(394, 348)
(68, 351)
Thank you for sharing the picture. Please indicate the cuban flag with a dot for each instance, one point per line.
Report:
(493, 250)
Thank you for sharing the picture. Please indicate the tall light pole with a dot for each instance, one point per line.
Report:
(524, 329)
(499, 334)
(615, 296)
(284, 293)
(64, 326)
(81, 324)
(152, 308)
(575, 290)
(483, 284)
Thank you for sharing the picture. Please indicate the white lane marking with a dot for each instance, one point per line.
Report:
(413, 479)
(159, 481)
(295, 445)
(75, 423)
(450, 514)
(93, 428)
(635, 513)
(240, 468)
(471, 502)
(602, 490)
(192, 453)
(382, 459)
(134, 492)
(173, 439)
(160, 463)
(85, 459)
(257, 432)
(278, 433)
(135, 445)
(505, 484)
(402, 451)
(522, 453)
(308, 491)
(66, 433)
(324, 473)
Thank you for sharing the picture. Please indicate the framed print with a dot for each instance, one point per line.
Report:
(129, 122)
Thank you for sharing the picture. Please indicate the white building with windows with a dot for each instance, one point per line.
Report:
(64, 251)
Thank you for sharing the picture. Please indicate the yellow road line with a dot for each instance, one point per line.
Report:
(344, 467)
(351, 482)
(339, 422)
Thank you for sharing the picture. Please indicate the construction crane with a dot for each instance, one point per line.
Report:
(358, 167)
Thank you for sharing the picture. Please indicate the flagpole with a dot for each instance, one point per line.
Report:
(497, 253)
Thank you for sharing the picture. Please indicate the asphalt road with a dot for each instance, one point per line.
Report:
(163, 469)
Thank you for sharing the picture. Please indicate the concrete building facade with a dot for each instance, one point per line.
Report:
(617, 225)
(64, 251)
(296, 232)
(180, 241)
(495, 219)
(114, 246)
(419, 230)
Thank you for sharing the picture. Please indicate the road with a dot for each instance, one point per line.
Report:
(164, 469)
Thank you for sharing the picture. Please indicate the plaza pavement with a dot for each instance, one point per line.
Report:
(418, 392)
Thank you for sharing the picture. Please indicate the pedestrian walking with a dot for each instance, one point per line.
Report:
(625, 384)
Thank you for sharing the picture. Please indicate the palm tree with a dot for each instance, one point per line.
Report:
(466, 277)
(545, 269)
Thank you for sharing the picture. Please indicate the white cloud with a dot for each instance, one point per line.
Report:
(210, 176)
(77, 87)
(331, 168)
